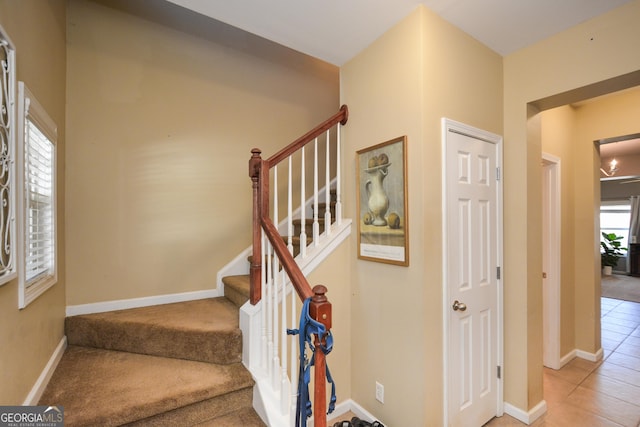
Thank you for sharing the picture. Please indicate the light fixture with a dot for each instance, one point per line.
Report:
(613, 168)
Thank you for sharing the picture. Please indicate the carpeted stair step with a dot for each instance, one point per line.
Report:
(203, 330)
(322, 208)
(112, 388)
(236, 289)
(295, 242)
(244, 417)
(308, 226)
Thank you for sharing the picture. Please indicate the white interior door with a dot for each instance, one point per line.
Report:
(472, 304)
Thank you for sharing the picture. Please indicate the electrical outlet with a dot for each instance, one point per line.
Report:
(379, 392)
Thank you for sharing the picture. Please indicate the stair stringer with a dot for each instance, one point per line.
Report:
(266, 402)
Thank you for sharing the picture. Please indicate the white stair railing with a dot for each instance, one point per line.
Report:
(265, 322)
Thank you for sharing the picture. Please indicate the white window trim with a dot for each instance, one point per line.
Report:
(28, 106)
(9, 270)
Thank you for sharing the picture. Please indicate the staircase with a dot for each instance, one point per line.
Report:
(184, 363)
(165, 365)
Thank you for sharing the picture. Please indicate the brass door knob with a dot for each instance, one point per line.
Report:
(459, 306)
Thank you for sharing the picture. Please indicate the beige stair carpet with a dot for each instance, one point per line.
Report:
(166, 365)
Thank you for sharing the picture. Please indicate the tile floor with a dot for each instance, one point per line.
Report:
(593, 394)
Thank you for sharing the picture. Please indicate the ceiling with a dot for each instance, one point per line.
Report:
(337, 30)
(627, 147)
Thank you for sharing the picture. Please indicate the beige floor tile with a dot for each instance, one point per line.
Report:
(504, 421)
(613, 409)
(609, 344)
(628, 348)
(614, 336)
(628, 308)
(587, 365)
(617, 372)
(556, 390)
(633, 340)
(615, 314)
(569, 415)
(569, 373)
(631, 362)
(614, 327)
(617, 389)
(509, 421)
(628, 322)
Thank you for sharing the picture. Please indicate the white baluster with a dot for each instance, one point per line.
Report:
(327, 190)
(273, 262)
(289, 210)
(303, 231)
(295, 361)
(316, 224)
(338, 177)
(275, 195)
(269, 310)
(263, 313)
(275, 372)
(284, 389)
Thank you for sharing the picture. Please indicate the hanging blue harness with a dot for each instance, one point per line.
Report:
(307, 329)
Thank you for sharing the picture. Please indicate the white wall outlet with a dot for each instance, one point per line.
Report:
(379, 392)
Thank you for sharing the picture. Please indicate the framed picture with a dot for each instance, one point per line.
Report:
(383, 232)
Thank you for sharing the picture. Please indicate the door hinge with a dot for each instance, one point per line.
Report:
(499, 371)
(497, 174)
(498, 272)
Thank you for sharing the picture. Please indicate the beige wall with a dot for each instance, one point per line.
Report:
(28, 337)
(332, 273)
(161, 124)
(421, 70)
(592, 52)
(558, 139)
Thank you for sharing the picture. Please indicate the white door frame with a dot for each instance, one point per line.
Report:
(448, 124)
(551, 253)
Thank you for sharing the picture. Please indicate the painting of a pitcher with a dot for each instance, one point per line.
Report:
(382, 202)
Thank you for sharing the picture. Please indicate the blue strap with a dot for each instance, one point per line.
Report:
(307, 329)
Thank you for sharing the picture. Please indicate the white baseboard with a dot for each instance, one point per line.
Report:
(567, 358)
(592, 357)
(45, 375)
(101, 307)
(526, 417)
(351, 406)
(239, 265)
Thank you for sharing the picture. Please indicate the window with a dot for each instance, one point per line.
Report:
(8, 265)
(36, 159)
(615, 217)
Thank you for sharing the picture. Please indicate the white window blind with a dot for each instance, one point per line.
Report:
(615, 217)
(36, 161)
(39, 252)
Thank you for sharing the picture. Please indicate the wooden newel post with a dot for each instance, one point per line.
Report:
(255, 269)
(320, 310)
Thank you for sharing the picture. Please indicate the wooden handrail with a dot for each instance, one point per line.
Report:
(299, 282)
(340, 117)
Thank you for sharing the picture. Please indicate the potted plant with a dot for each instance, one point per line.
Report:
(611, 252)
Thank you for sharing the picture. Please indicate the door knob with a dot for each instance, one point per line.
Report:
(459, 306)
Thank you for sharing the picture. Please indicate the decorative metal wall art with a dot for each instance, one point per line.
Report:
(7, 144)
